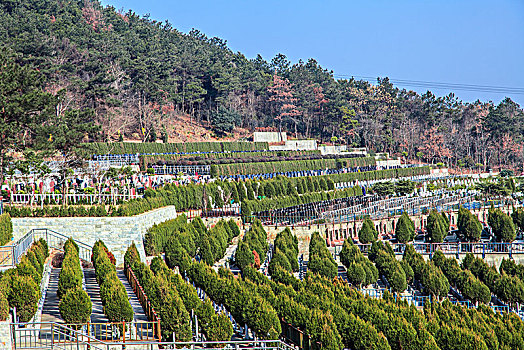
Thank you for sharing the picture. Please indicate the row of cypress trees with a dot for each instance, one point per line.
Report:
(75, 305)
(173, 298)
(20, 286)
(112, 292)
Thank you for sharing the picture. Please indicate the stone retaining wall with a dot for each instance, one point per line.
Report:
(116, 232)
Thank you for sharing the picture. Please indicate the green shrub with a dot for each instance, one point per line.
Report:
(4, 306)
(469, 227)
(24, 295)
(502, 225)
(219, 328)
(68, 279)
(437, 227)
(287, 243)
(75, 306)
(6, 229)
(360, 270)
(26, 268)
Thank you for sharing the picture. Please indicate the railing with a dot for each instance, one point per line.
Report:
(296, 336)
(125, 332)
(10, 255)
(72, 198)
(344, 210)
(184, 169)
(56, 240)
(131, 158)
(47, 335)
(144, 301)
(456, 248)
(301, 173)
(229, 210)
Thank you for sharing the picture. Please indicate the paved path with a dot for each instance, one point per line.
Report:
(50, 311)
(139, 314)
(93, 290)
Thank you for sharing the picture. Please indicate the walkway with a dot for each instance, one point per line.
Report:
(50, 311)
(93, 290)
(139, 314)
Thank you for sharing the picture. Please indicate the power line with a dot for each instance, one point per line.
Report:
(439, 85)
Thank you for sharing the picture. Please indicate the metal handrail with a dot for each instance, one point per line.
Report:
(72, 198)
(10, 255)
(454, 248)
(144, 301)
(38, 336)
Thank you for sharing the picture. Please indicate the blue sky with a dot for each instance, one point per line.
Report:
(463, 42)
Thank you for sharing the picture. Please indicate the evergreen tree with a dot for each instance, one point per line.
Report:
(249, 191)
(436, 227)
(234, 194)
(405, 229)
(502, 225)
(241, 190)
(367, 233)
(468, 225)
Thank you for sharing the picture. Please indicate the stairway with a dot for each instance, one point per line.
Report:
(50, 311)
(93, 290)
(139, 314)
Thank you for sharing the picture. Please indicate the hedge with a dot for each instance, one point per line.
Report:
(288, 166)
(21, 285)
(222, 158)
(186, 147)
(6, 229)
(112, 292)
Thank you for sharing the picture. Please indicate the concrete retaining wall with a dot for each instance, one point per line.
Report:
(116, 232)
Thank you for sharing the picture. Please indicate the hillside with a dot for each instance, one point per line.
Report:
(145, 80)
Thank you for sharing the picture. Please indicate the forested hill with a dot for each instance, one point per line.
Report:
(140, 75)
